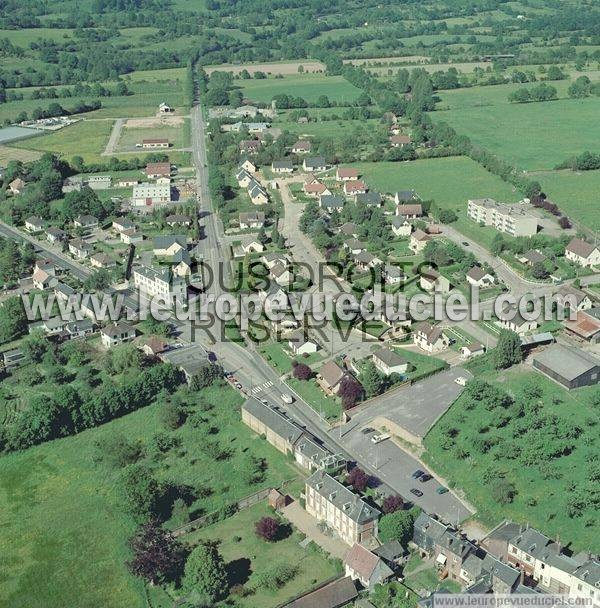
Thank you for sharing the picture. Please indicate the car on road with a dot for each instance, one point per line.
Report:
(416, 492)
(379, 438)
(367, 430)
(461, 380)
(442, 490)
(425, 477)
(418, 474)
(466, 243)
(238, 386)
(287, 398)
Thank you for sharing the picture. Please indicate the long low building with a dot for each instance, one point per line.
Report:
(149, 195)
(570, 367)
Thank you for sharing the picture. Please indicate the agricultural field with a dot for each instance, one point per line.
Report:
(86, 138)
(308, 86)
(543, 489)
(64, 527)
(285, 68)
(524, 134)
(175, 129)
(7, 154)
(575, 192)
(448, 182)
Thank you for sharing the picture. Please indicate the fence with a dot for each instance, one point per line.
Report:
(227, 510)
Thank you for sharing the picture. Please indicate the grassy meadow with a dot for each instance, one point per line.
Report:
(308, 86)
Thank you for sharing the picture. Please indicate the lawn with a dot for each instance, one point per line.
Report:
(63, 527)
(448, 182)
(247, 557)
(544, 488)
(576, 193)
(327, 407)
(526, 135)
(308, 86)
(7, 154)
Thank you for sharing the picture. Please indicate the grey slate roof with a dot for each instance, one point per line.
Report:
(331, 201)
(570, 363)
(342, 497)
(271, 418)
(389, 357)
(369, 198)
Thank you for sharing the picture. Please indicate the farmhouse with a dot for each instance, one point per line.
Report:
(314, 163)
(570, 367)
(366, 567)
(518, 324)
(117, 333)
(148, 195)
(582, 253)
(389, 362)
(409, 211)
(354, 187)
(156, 170)
(401, 226)
(344, 174)
(430, 338)
(418, 240)
(399, 141)
(479, 277)
(316, 189)
(331, 202)
(511, 219)
(302, 146)
(333, 503)
(160, 142)
(251, 219)
(282, 166)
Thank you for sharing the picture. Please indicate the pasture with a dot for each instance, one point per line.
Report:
(308, 86)
(277, 67)
(134, 131)
(576, 193)
(532, 136)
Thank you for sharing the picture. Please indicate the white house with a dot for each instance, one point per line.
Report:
(366, 567)
(314, 163)
(430, 338)
(582, 253)
(34, 224)
(401, 226)
(473, 349)
(117, 333)
(432, 280)
(251, 219)
(418, 240)
(389, 362)
(300, 344)
(518, 324)
(148, 195)
(479, 277)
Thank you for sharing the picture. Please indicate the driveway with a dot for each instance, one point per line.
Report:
(307, 524)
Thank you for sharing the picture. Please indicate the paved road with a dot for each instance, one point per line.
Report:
(113, 140)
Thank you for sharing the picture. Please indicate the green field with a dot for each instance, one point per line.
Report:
(532, 136)
(63, 527)
(237, 543)
(176, 134)
(307, 86)
(576, 193)
(544, 488)
(449, 182)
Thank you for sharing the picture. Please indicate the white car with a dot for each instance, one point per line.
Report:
(287, 398)
(379, 438)
(461, 380)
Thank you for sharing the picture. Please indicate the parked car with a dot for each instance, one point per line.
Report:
(461, 380)
(425, 477)
(367, 430)
(379, 438)
(418, 474)
(416, 492)
(442, 490)
(287, 398)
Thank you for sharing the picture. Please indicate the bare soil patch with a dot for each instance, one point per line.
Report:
(269, 68)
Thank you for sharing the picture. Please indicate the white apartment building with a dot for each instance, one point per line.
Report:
(147, 195)
(510, 219)
(160, 283)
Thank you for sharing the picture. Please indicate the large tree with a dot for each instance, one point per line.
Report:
(397, 526)
(157, 556)
(205, 573)
(508, 350)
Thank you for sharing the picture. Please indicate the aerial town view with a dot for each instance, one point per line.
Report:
(300, 303)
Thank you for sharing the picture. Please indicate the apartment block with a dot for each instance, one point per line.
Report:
(510, 219)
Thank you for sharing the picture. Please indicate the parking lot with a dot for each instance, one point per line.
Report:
(416, 408)
(395, 467)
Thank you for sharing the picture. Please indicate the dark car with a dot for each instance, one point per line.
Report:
(418, 474)
(425, 477)
(416, 492)
(367, 430)
(211, 356)
(465, 243)
(442, 490)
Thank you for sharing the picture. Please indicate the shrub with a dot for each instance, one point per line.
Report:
(267, 528)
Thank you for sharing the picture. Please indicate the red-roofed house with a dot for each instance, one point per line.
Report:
(354, 186)
(366, 567)
(399, 141)
(344, 174)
